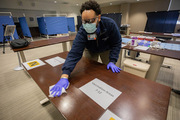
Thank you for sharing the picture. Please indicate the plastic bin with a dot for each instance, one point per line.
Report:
(135, 67)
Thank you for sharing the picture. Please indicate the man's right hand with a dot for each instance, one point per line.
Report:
(62, 83)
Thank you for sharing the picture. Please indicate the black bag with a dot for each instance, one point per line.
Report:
(19, 43)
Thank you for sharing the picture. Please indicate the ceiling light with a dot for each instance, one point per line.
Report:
(137, 0)
(110, 3)
(55, 1)
(77, 4)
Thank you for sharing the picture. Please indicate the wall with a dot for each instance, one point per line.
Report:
(34, 9)
(125, 8)
(111, 9)
(137, 15)
(175, 5)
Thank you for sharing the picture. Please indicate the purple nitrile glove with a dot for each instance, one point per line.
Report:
(113, 67)
(62, 83)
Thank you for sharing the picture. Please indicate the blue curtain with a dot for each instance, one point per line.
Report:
(171, 20)
(56, 25)
(6, 20)
(71, 25)
(161, 22)
(52, 25)
(79, 20)
(24, 27)
(42, 25)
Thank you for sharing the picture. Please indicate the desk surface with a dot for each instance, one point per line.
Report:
(157, 34)
(159, 52)
(140, 99)
(41, 43)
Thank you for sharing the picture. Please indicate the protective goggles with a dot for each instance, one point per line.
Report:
(92, 20)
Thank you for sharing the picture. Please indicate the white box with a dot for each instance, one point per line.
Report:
(135, 67)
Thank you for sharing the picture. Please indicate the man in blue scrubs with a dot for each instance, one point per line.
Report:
(98, 36)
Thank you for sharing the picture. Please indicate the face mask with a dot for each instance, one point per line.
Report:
(90, 27)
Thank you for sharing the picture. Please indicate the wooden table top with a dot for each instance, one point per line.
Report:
(140, 99)
(42, 43)
(159, 52)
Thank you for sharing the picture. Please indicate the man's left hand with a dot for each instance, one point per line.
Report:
(113, 67)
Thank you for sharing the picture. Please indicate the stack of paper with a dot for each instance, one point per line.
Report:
(170, 46)
(126, 40)
(176, 34)
(141, 48)
(167, 34)
(55, 61)
(122, 45)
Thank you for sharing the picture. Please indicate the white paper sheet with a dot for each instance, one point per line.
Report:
(148, 32)
(176, 34)
(100, 92)
(122, 45)
(141, 48)
(55, 61)
(126, 40)
(170, 46)
(108, 115)
(33, 64)
(167, 34)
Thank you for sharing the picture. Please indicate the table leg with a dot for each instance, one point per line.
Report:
(32, 39)
(155, 65)
(121, 59)
(19, 60)
(71, 43)
(174, 38)
(133, 54)
(64, 46)
(47, 36)
(22, 56)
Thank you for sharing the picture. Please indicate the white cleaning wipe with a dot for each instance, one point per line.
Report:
(62, 91)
